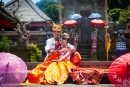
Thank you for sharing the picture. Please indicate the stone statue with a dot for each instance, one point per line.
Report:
(23, 33)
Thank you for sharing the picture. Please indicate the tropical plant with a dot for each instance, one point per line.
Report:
(5, 44)
(122, 4)
(124, 14)
(53, 12)
(35, 52)
(119, 15)
(118, 10)
(44, 3)
(115, 13)
(52, 9)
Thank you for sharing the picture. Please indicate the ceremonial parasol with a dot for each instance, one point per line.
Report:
(70, 23)
(97, 22)
(95, 15)
(107, 41)
(119, 71)
(13, 70)
(75, 16)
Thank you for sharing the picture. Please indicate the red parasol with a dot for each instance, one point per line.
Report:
(119, 73)
(13, 70)
(70, 23)
(97, 22)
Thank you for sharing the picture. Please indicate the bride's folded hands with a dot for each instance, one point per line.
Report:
(64, 57)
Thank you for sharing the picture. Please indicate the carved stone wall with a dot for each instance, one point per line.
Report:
(84, 8)
(18, 48)
(78, 5)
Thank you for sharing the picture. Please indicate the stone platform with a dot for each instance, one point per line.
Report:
(83, 64)
(68, 85)
(105, 82)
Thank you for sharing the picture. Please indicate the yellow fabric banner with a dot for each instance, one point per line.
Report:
(108, 44)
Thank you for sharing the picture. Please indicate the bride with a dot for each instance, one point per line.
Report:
(56, 68)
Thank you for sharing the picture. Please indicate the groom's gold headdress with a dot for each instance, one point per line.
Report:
(56, 27)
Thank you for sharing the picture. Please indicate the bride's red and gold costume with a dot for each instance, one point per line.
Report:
(52, 71)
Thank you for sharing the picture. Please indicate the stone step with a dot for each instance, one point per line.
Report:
(84, 51)
(67, 85)
(84, 46)
(88, 58)
(97, 64)
(83, 64)
(85, 56)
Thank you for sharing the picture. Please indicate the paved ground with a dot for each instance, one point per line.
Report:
(69, 85)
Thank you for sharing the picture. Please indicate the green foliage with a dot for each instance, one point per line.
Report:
(35, 53)
(5, 44)
(44, 3)
(124, 14)
(119, 10)
(119, 15)
(1, 4)
(115, 13)
(53, 12)
(51, 8)
(122, 4)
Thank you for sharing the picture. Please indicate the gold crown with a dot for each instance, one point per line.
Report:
(56, 27)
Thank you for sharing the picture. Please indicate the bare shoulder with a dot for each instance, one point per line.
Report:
(69, 45)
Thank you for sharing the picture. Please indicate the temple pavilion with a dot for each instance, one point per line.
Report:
(6, 20)
(27, 11)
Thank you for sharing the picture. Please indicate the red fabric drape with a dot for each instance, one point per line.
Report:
(5, 23)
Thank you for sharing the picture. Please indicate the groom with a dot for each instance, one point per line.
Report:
(53, 43)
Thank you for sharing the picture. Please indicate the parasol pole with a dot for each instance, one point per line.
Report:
(7, 68)
(106, 26)
(107, 38)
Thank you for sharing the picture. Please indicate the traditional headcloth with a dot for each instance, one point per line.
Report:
(56, 27)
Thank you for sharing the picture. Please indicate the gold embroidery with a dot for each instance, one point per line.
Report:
(56, 43)
(53, 44)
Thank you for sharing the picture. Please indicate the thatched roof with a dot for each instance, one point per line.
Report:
(27, 11)
(6, 16)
